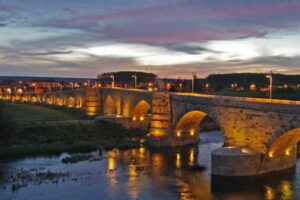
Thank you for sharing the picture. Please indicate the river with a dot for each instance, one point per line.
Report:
(141, 174)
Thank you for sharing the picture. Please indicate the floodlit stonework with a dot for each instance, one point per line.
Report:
(270, 130)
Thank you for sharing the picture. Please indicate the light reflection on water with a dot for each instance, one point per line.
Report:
(153, 174)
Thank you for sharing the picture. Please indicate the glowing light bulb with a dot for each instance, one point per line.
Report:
(271, 154)
(287, 152)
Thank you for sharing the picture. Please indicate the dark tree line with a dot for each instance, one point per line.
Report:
(126, 77)
(245, 79)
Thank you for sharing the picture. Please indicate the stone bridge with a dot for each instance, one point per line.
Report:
(261, 135)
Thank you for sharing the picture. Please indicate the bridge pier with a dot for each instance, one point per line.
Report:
(244, 161)
(235, 161)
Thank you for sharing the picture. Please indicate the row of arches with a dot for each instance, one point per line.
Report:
(139, 111)
(70, 102)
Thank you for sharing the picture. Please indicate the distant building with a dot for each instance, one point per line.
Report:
(44, 84)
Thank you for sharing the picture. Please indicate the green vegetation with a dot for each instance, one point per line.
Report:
(126, 77)
(245, 79)
(33, 138)
(29, 115)
(7, 126)
(284, 93)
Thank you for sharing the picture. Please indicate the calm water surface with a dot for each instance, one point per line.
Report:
(146, 174)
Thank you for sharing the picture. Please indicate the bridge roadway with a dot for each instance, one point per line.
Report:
(261, 135)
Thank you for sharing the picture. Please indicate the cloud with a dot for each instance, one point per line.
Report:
(168, 37)
(46, 53)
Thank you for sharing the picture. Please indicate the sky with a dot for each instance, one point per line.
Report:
(172, 38)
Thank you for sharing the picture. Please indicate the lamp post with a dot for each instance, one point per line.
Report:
(135, 80)
(35, 87)
(193, 82)
(49, 87)
(270, 77)
(61, 87)
(113, 81)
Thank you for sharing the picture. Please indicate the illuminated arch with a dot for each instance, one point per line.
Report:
(71, 102)
(189, 123)
(79, 102)
(23, 99)
(140, 110)
(34, 99)
(109, 106)
(282, 153)
(285, 143)
(48, 100)
(58, 101)
(13, 98)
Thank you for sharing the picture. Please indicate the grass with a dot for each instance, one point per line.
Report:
(35, 137)
(27, 115)
(54, 139)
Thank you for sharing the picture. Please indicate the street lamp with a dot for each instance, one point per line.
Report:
(113, 81)
(270, 76)
(35, 87)
(193, 82)
(135, 80)
(61, 87)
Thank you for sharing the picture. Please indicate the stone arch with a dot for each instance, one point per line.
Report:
(141, 110)
(48, 100)
(188, 124)
(34, 99)
(71, 102)
(79, 102)
(23, 99)
(58, 101)
(109, 106)
(282, 154)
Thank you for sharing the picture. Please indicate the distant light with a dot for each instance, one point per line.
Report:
(134, 118)
(142, 118)
(19, 91)
(178, 133)
(252, 87)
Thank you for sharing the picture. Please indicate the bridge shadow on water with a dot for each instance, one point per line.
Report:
(278, 185)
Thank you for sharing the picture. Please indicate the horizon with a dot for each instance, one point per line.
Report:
(61, 77)
(171, 38)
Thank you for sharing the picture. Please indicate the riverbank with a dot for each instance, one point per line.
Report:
(40, 130)
(55, 139)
